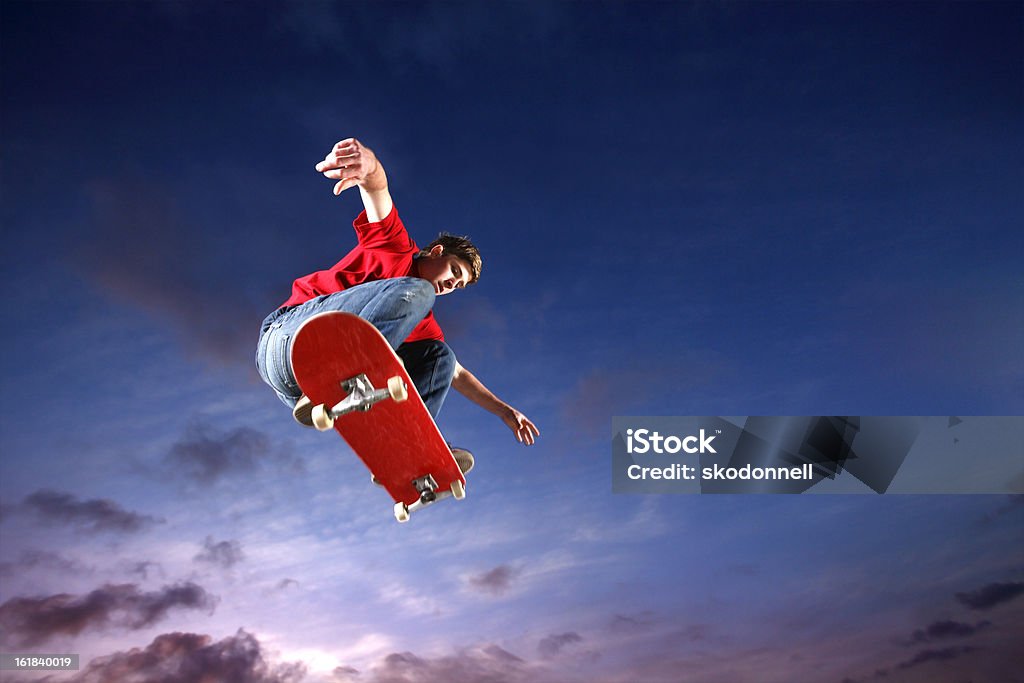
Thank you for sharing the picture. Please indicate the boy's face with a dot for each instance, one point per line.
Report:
(447, 273)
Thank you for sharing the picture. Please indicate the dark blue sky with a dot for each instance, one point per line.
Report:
(684, 208)
(798, 188)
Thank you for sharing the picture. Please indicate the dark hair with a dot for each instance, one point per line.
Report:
(461, 247)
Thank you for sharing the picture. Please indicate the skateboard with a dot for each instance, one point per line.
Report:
(358, 386)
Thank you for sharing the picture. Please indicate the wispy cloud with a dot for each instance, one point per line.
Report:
(947, 629)
(408, 598)
(552, 645)
(991, 595)
(940, 655)
(624, 624)
(143, 568)
(224, 554)
(646, 520)
(145, 249)
(341, 674)
(95, 515)
(980, 652)
(485, 663)
(205, 455)
(30, 621)
(35, 560)
(495, 581)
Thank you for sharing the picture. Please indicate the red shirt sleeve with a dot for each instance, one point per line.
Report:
(388, 234)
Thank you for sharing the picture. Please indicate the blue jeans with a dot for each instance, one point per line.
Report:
(394, 306)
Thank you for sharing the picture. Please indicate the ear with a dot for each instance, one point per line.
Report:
(437, 250)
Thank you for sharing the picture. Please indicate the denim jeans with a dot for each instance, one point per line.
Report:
(394, 306)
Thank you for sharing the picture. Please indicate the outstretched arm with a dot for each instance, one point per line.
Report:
(353, 164)
(469, 386)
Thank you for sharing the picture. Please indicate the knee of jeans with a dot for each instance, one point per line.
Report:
(413, 297)
(417, 289)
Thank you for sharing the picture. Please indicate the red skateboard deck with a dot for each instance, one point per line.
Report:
(344, 363)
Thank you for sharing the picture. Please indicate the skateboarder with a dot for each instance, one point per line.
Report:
(388, 281)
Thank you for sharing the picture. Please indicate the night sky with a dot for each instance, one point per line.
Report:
(683, 209)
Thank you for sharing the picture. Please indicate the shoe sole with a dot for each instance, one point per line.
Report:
(303, 412)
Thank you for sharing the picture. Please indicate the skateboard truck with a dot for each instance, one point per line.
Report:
(429, 493)
(426, 486)
(361, 395)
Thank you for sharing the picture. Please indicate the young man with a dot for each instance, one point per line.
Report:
(387, 280)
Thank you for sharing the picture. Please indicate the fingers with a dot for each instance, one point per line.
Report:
(340, 159)
(347, 176)
(343, 168)
(346, 147)
(526, 432)
(348, 152)
(344, 184)
(348, 162)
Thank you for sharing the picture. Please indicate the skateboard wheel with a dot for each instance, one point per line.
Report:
(458, 489)
(321, 419)
(397, 390)
(401, 512)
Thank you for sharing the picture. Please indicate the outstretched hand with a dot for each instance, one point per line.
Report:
(350, 163)
(524, 429)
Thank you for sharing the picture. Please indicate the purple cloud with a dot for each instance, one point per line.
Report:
(945, 630)
(489, 663)
(225, 554)
(497, 581)
(942, 655)
(27, 622)
(89, 515)
(991, 595)
(552, 645)
(190, 657)
(205, 455)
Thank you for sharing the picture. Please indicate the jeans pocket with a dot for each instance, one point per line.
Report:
(281, 354)
(273, 362)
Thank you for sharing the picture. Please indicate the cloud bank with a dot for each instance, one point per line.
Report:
(188, 658)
